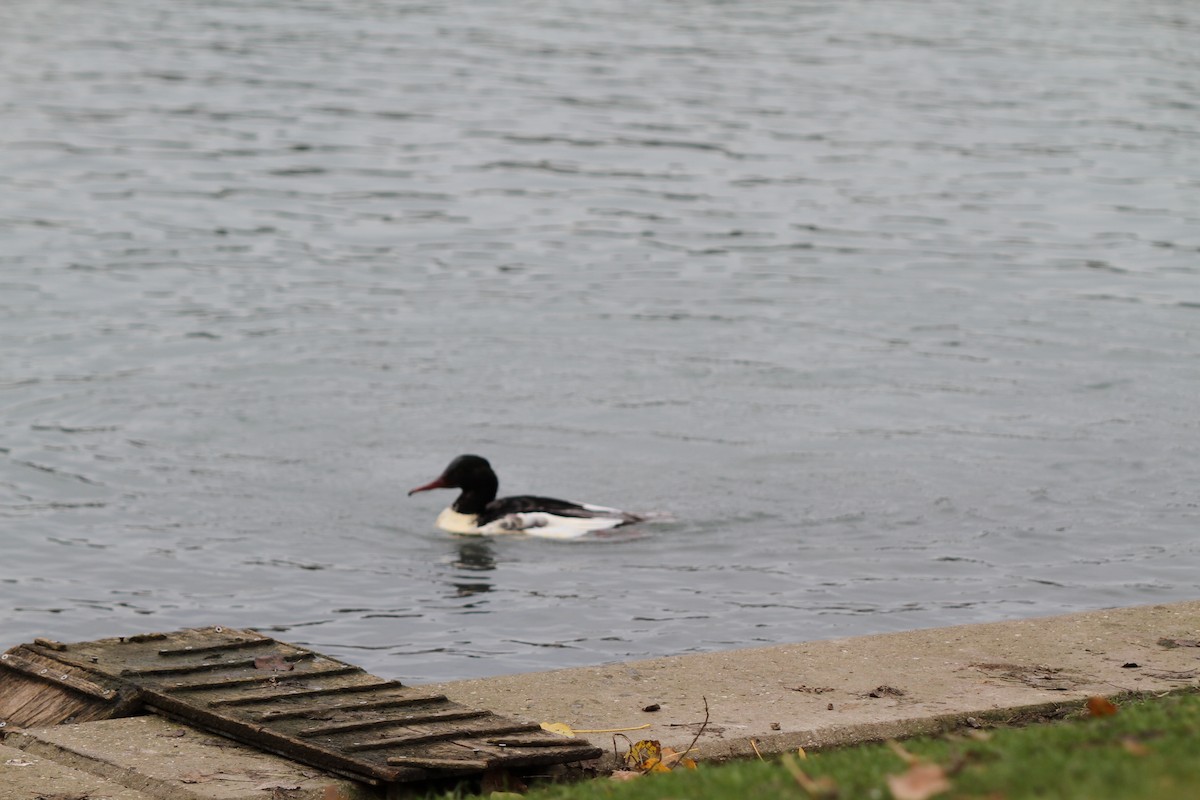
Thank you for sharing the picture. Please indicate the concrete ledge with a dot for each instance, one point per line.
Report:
(835, 692)
(26, 777)
(155, 757)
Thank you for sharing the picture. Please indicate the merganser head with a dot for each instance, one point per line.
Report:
(474, 476)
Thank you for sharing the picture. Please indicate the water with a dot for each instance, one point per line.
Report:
(894, 305)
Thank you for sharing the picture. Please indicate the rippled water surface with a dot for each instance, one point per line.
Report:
(894, 305)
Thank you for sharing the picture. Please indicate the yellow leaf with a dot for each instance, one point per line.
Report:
(559, 727)
(673, 759)
(920, 782)
(803, 755)
(644, 755)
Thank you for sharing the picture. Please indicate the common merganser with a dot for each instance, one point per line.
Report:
(478, 512)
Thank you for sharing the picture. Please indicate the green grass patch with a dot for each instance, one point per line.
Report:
(1148, 750)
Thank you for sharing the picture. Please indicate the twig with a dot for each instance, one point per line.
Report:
(616, 754)
(754, 745)
(611, 730)
(703, 725)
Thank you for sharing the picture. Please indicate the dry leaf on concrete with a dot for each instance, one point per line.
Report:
(671, 759)
(645, 756)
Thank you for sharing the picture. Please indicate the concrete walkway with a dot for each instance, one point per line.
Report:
(818, 694)
(807, 695)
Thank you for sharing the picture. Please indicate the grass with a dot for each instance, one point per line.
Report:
(1148, 750)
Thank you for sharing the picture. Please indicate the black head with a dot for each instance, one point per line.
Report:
(473, 475)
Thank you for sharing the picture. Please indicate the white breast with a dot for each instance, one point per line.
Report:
(453, 522)
(532, 523)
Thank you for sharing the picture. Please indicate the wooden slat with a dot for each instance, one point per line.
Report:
(267, 697)
(274, 677)
(216, 648)
(211, 666)
(559, 741)
(385, 722)
(336, 708)
(457, 734)
(429, 762)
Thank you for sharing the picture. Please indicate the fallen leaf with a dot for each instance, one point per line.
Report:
(921, 781)
(18, 762)
(644, 755)
(194, 777)
(672, 759)
(823, 788)
(275, 663)
(652, 707)
(1134, 747)
(560, 728)
(801, 754)
(904, 755)
(625, 775)
(886, 691)
(1130, 665)
(1100, 707)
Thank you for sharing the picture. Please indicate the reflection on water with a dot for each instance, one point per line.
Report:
(893, 307)
(474, 555)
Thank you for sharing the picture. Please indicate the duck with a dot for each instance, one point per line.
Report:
(478, 511)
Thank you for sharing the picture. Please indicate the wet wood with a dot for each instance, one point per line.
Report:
(295, 702)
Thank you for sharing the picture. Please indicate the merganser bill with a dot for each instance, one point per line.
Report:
(477, 511)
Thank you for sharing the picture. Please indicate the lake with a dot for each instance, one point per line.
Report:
(893, 306)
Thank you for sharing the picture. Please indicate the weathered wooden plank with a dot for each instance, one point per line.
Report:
(274, 741)
(191, 650)
(429, 762)
(251, 680)
(267, 697)
(55, 674)
(386, 722)
(209, 666)
(336, 708)
(456, 734)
